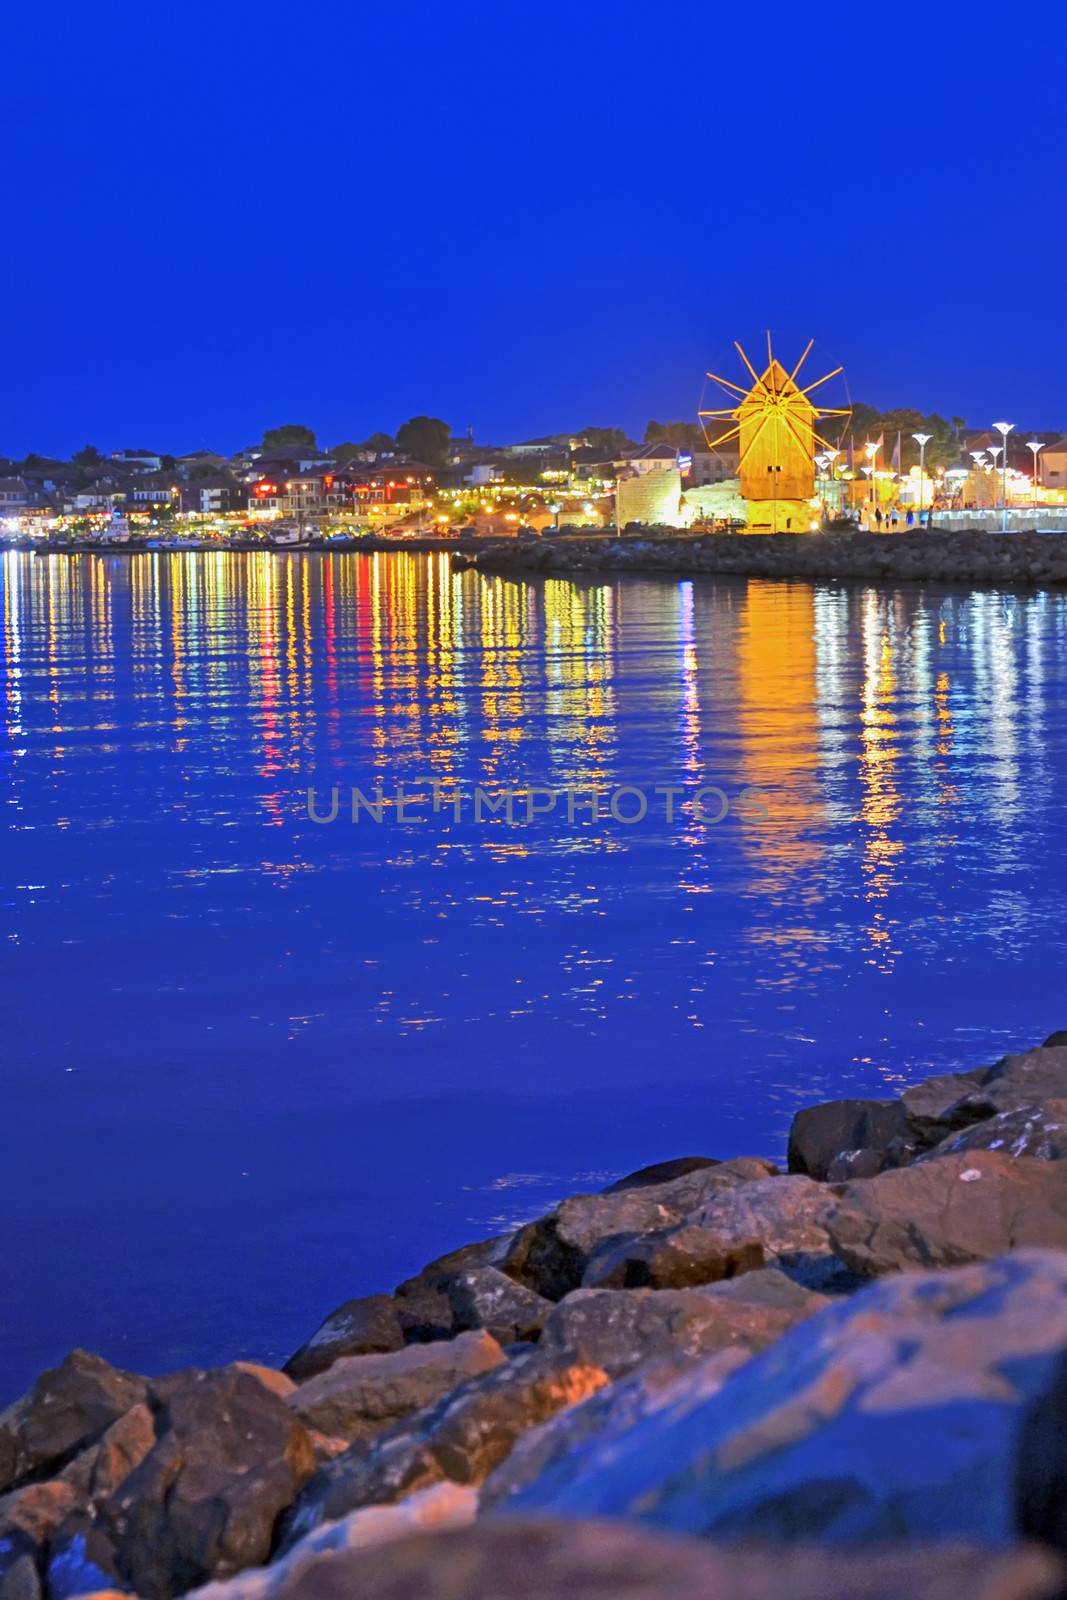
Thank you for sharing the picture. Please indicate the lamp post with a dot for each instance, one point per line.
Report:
(871, 451)
(977, 457)
(922, 440)
(994, 451)
(1004, 428)
(1034, 445)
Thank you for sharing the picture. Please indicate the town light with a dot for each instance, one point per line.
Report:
(1034, 445)
(1004, 428)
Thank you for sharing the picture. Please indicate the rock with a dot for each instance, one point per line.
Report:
(28, 1519)
(550, 1256)
(423, 1307)
(678, 1258)
(670, 1382)
(1041, 1465)
(556, 1559)
(1018, 1080)
(661, 1172)
(461, 1439)
(950, 1104)
(486, 1298)
(1039, 1131)
(890, 1416)
(229, 1457)
(819, 1133)
(370, 1326)
(360, 1396)
(960, 1208)
(930, 1106)
(787, 1215)
(618, 1329)
(445, 1505)
(858, 1164)
(277, 1382)
(81, 1561)
(123, 1447)
(1054, 1039)
(68, 1407)
(20, 1580)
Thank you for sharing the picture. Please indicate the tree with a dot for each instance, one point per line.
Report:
(424, 439)
(610, 442)
(291, 436)
(87, 456)
(376, 445)
(682, 435)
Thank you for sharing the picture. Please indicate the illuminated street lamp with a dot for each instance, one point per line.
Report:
(1034, 445)
(922, 440)
(1004, 428)
(871, 450)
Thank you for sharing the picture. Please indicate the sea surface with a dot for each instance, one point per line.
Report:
(255, 1064)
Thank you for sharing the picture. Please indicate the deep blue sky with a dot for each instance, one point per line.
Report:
(221, 217)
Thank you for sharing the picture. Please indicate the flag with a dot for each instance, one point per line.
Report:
(896, 453)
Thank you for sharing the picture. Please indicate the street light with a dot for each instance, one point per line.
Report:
(1004, 428)
(871, 450)
(922, 440)
(1034, 445)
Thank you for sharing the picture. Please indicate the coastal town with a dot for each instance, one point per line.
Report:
(876, 472)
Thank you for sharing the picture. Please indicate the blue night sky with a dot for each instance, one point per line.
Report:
(222, 217)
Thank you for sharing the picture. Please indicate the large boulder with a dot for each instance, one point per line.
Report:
(661, 1172)
(678, 1258)
(890, 1415)
(1041, 1465)
(461, 1439)
(822, 1132)
(550, 1256)
(556, 1559)
(619, 1329)
(369, 1326)
(967, 1207)
(29, 1518)
(68, 1408)
(951, 1103)
(787, 1215)
(360, 1396)
(487, 1298)
(229, 1457)
(676, 1383)
(423, 1306)
(1034, 1130)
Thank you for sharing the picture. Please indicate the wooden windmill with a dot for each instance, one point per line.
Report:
(774, 423)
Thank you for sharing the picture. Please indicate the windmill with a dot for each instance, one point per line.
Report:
(774, 424)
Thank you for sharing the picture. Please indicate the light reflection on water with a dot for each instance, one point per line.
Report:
(255, 1066)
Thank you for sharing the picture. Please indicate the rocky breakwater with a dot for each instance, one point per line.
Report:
(1030, 560)
(713, 1378)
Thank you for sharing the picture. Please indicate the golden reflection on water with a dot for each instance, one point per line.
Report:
(865, 717)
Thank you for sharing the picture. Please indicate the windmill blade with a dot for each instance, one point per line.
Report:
(759, 429)
(819, 381)
(756, 379)
(713, 444)
(726, 411)
(736, 387)
(800, 363)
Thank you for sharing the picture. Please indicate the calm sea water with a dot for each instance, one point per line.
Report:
(254, 1065)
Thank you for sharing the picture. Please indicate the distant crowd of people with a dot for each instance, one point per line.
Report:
(891, 518)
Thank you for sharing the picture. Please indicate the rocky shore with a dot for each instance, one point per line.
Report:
(712, 1379)
(1030, 560)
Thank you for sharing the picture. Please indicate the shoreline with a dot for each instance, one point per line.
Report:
(700, 1348)
(1029, 560)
